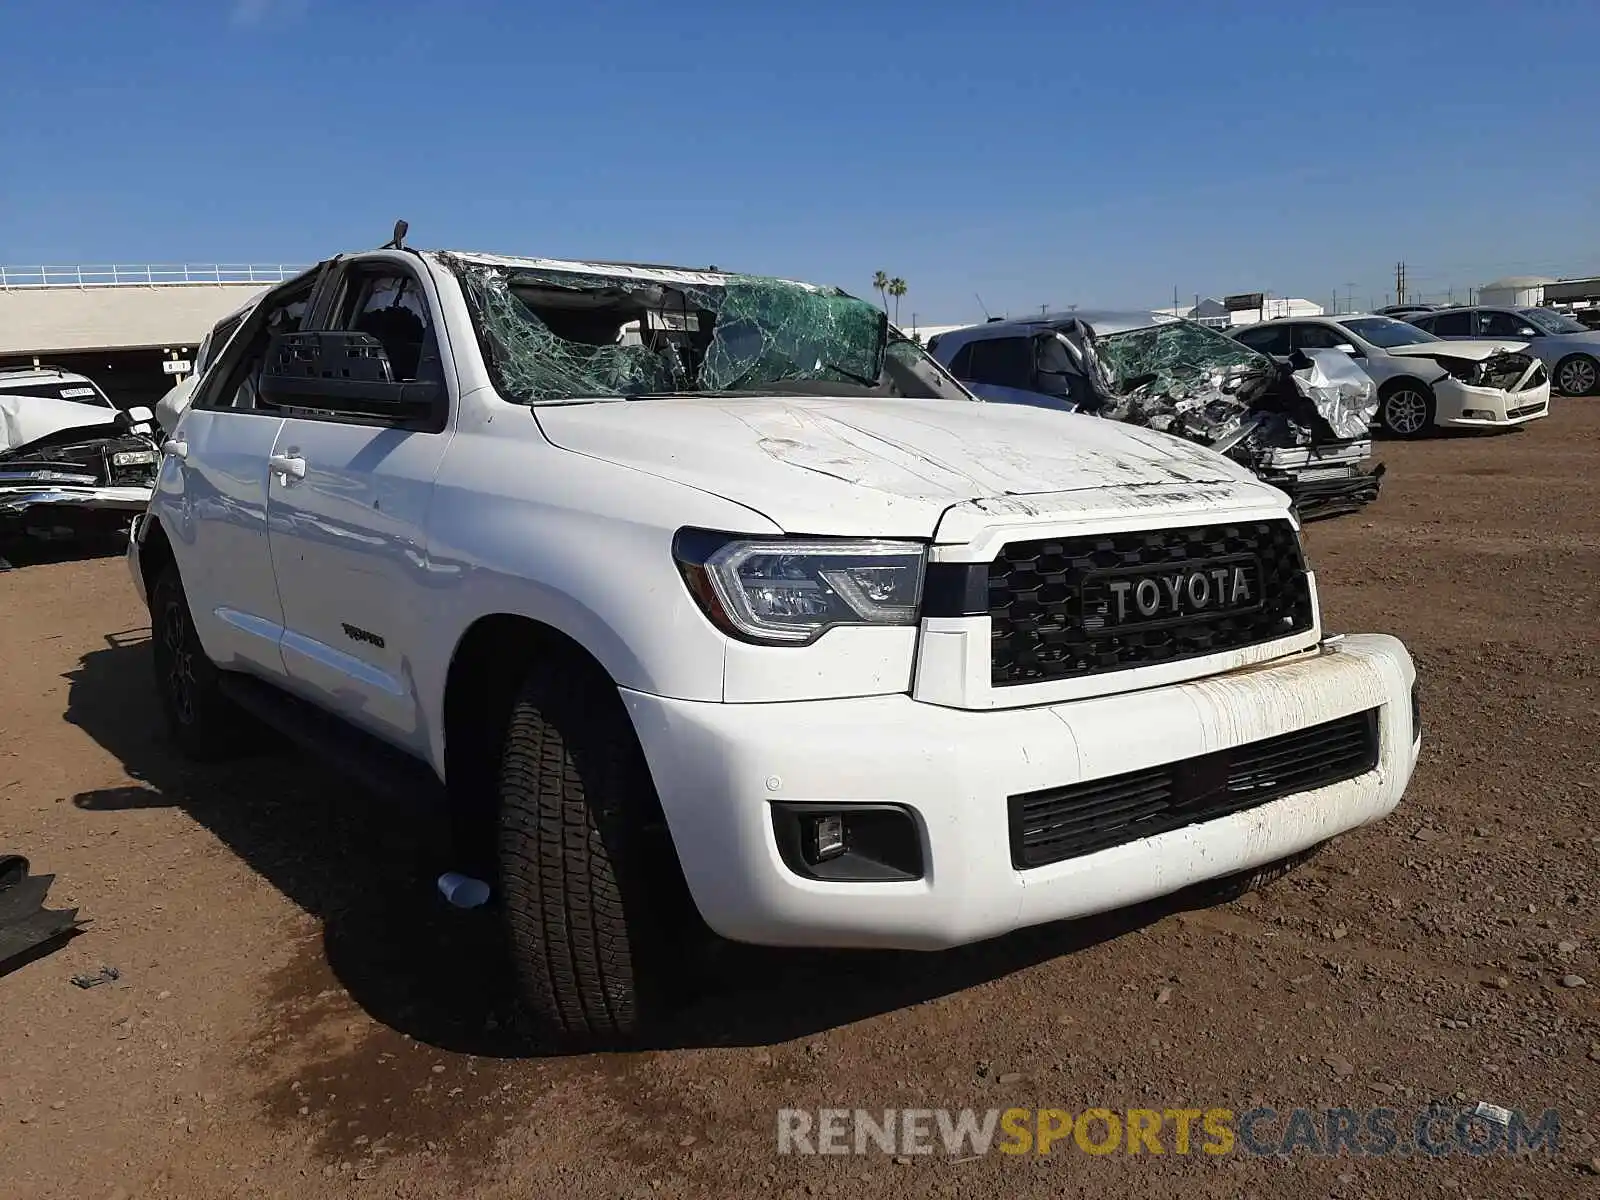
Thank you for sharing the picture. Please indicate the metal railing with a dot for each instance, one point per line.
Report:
(145, 275)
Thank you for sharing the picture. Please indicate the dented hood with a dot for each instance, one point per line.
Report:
(894, 467)
(26, 419)
(1476, 351)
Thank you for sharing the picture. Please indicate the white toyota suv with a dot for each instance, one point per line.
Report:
(710, 597)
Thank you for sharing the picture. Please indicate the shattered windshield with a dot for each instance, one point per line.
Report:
(1172, 356)
(556, 336)
(1551, 321)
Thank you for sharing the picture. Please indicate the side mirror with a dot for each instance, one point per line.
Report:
(342, 372)
(139, 414)
(1527, 331)
(1352, 351)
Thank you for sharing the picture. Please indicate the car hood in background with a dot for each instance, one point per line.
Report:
(1477, 351)
(25, 419)
(893, 467)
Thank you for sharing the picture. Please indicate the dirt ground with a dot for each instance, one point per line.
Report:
(297, 1013)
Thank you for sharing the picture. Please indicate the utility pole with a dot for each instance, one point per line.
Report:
(1349, 297)
(1400, 283)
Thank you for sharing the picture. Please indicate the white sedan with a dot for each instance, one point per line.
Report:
(1423, 381)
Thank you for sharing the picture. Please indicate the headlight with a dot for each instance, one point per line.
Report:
(790, 591)
(132, 458)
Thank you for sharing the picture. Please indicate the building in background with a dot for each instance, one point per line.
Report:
(1516, 291)
(1244, 308)
(131, 329)
(1573, 295)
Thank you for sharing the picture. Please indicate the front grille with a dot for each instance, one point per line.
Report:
(1067, 608)
(1525, 410)
(1056, 824)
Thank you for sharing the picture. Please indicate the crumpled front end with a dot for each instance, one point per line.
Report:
(1303, 428)
(57, 488)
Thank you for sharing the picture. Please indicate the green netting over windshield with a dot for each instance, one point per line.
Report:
(539, 365)
(1180, 354)
(768, 330)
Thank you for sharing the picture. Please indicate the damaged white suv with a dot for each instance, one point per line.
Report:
(707, 597)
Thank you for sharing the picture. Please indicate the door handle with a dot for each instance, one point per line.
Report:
(287, 465)
(175, 448)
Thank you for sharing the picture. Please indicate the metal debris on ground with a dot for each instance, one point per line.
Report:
(89, 979)
(27, 928)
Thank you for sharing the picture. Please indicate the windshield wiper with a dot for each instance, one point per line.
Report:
(851, 375)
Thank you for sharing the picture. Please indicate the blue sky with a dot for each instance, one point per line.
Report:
(1033, 153)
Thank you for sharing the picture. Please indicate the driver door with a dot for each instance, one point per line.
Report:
(347, 517)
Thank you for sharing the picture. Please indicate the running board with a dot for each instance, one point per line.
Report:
(355, 753)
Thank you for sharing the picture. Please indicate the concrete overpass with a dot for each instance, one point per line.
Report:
(117, 324)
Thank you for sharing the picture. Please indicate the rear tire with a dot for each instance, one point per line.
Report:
(587, 871)
(1407, 409)
(204, 723)
(1576, 375)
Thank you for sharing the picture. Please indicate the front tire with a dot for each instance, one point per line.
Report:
(204, 723)
(1577, 375)
(1407, 409)
(585, 863)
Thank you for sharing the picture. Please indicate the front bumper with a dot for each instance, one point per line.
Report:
(37, 501)
(1329, 492)
(719, 767)
(1459, 405)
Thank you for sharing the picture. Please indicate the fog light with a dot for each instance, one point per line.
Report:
(848, 841)
(1478, 414)
(824, 836)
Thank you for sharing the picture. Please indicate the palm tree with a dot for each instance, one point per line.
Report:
(897, 288)
(880, 284)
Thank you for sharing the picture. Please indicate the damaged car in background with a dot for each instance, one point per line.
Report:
(1423, 381)
(72, 464)
(1302, 426)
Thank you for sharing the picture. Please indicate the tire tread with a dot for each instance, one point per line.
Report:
(572, 784)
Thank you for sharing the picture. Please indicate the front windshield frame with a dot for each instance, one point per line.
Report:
(722, 334)
(1391, 332)
(1549, 320)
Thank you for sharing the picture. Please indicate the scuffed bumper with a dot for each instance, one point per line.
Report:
(718, 768)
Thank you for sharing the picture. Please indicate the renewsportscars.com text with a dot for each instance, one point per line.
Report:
(1434, 1131)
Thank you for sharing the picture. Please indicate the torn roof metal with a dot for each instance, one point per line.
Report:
(644, 272)
(1102, 322)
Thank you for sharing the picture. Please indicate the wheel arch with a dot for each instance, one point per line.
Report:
(488, 665)
(155, 553)
(1393, 384)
